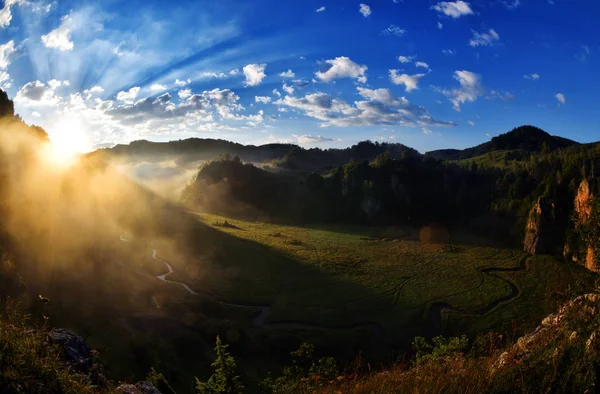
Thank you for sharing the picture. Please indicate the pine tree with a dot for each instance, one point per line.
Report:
(223, 380)
(160, 382)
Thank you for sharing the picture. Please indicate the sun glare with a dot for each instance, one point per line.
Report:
(67, 141)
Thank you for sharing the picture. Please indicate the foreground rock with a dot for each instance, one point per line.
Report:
(76, 351)
(555, 332)
(541, 229)
(138, 388)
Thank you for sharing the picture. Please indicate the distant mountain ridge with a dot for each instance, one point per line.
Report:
(522, 141)
(285, 155)
(524, 138)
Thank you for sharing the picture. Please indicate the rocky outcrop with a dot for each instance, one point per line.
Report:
(139, 388)
(541, 229)
(76, 351)
(583, 203)
(579, 248)
(552, 330)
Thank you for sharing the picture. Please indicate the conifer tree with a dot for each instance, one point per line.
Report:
(223, 380)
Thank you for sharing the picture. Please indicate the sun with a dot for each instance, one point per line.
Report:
(67, 141)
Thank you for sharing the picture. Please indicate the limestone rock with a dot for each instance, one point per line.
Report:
(583, 206)
(590, 260)
(540, 236)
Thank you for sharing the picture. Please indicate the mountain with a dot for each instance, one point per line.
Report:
(521, 140)
(286, 155)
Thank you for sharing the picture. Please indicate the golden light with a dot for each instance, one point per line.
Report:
(67, 141)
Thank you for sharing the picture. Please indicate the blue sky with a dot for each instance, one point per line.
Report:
(324, 73)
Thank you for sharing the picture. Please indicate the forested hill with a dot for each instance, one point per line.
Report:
(526, 139)
(284, 155)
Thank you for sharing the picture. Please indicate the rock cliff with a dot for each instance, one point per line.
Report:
(540, 232)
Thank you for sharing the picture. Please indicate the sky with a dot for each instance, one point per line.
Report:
(325, 73)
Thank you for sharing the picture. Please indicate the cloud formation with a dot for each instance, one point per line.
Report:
(453, 9)
(309, 139)
(6, 52)
(129, 95)
(60, 38)
(470, 89)
(262, 99)
(321, 9)
(378, 107)
(533, 77)
(484, 39)
(365, 10)
(406, 59)
(254, 73)
(343, 67)
(561, 98)
(393, 30)
(287, 74)
(410, 82)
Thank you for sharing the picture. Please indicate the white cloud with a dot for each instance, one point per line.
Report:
(309, 139)
(453, 9)
(365, 10)
(156, 87)
(504, 96)
(343, 67)
(321, 9)
(36, 114)
(184, 93)
(36, 93)
(55, 84)
(561, 98)
(422, 64)
(276, 93)
(533, 77)
(93, 90)
(262, 99)
(254, 73)
(484, 39)
(440, 26)
(448, 52)
(6, 13)
(128, 96)
(287, 74)
(470, 122)
(470, 89)
(379, 107)
(60, 38)
(406, 59)
(426, 131)
(410, 82)
(393, 30)
(6, 52)
(287, 89)
(181, 83)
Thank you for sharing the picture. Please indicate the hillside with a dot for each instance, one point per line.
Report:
(521, 141)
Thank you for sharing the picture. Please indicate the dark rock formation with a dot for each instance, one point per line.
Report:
(541, 230)
(139, 388)
(76, 351)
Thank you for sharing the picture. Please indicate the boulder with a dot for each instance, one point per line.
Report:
(76, 351)
(138, 388)
(541, 230)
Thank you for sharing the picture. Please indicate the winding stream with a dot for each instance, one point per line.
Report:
(436, 308)
(260, 321)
